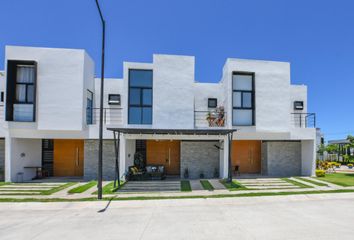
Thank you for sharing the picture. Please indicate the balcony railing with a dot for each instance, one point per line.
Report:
(303, 120)
(111, 116)
(209, 119)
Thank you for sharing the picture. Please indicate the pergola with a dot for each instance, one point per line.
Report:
(196, 132)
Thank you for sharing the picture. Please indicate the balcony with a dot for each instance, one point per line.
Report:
(111, 116)
(210, 119)
(303, 120)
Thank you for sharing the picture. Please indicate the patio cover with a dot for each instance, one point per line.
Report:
(118, 131)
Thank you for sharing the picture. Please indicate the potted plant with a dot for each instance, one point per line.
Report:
(216, 173)
(350, 165)
(201, 175)
(210, 118)
(186, 173)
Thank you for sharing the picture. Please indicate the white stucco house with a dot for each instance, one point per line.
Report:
(49, 117)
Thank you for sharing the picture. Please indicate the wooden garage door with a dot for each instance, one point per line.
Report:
(68, 157)
(247, 155)
(165, 153)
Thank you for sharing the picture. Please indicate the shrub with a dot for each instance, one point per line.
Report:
(338, 165)
(320, 173)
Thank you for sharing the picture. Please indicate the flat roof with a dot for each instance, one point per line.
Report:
(173, 131)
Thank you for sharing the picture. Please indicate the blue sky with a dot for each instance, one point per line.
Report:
(317, 37)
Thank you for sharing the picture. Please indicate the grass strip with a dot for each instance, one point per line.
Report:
(110, 189)
(83, 188)
(257, 194)
(233, 186)
(313, 182)
(186, 186)
(296, 183)
(207, 185)
(57, 189)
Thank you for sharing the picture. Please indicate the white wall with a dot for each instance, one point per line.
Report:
(308, 157)
(14, 162)
(173, 91)
(129, 153)
(60, 85)
(272, 91)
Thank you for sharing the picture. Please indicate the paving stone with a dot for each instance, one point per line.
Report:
(196, 185)
(217, 184)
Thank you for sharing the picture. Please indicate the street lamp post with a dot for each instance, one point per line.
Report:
(99, 175)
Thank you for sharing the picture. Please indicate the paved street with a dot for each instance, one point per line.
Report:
(322, 216)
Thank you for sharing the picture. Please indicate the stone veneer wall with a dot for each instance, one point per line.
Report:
(280, 158)
(90, 161)
(2, 159)
(199, 157)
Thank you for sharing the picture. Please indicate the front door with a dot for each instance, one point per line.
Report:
(247, 155)
(164, 152)
(68, 157)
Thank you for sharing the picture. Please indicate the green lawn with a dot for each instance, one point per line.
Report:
(296, 183)
(110, 189)
(233, 186)
(207, 185)
(83, 188)
(185, 186)
(2, 183)
(341, 179)
(313, 182)
(57, 189)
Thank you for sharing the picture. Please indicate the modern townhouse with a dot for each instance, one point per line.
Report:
(50, 118)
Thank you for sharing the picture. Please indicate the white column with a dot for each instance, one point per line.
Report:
(308, 157)
(225, 158)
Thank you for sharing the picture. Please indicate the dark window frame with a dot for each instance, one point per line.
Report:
(211, 100)
(242, 92)
(301, 104)
(89, 109)
(109, 99)
(141, 90)
(11, 84)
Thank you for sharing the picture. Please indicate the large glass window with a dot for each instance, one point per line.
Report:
(24, 95)
(140, 96)
(243, 99)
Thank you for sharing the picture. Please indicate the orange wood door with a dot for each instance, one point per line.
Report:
(164, 152)
(68, 157)
(247, 155)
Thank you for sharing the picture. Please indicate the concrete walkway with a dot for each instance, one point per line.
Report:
(170, 188)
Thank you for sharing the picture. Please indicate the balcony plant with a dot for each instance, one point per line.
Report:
(216, 117)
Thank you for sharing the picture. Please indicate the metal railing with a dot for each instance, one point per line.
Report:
(209, 119)
(111, 116)
(303, 120)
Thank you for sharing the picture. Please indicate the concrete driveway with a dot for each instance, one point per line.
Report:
(323, 216)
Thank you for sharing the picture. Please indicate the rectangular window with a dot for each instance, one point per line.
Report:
(140, 96)
(298, 105)
(212, 102)
(243, 99)
(20, 91)
(114, 99)
(89, 110)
